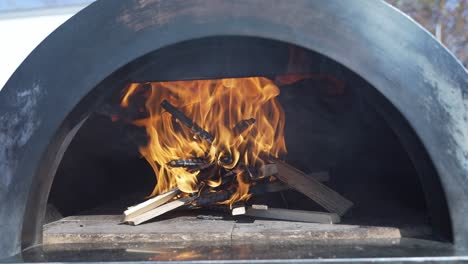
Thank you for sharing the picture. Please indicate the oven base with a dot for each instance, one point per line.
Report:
(194, 229)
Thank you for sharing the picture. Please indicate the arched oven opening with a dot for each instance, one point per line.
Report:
(338, 128)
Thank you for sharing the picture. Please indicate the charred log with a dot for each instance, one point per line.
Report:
(186, 121)
(242, 126)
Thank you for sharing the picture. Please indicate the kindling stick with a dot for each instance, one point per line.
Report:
(186, 121)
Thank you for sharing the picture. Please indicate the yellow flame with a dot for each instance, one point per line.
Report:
(216, 106)
(130, 90)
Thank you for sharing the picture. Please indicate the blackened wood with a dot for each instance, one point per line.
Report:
(321, 194)
(186, 163)
(226, 159)
(238, 129)
(221, 208)
(233, 172)
(186, 121)
(254, 173)
(242, 126)
(200, 167)
(212, 198)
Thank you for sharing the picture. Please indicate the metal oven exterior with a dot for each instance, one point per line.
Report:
(404, 62)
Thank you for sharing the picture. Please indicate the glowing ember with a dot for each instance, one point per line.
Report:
(206, 129)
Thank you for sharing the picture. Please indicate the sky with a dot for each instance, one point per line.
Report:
(22, 32)
(15, 5)
(20, 38)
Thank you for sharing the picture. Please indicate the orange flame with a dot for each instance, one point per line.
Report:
(217, 106)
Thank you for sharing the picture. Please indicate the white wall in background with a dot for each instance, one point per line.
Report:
(19, 36)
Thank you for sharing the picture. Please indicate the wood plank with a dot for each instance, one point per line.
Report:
(149, 204)
(294, 215)
(268, 170)
(260, 206)
(321, 176)
(159, 211)
(239, 210)
(321, 194)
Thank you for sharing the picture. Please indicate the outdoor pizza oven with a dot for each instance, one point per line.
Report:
(356, 96)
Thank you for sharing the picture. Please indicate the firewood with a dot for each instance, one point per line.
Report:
(186, 121)
(212, 198)
(237, 130)
(242, 126)
(226, 159)
(150, 204)
(233, 172)
(255, 174)
(188, 163)
(260, 206)
(238, 210)
(266, 170)
(159, 210)
(294, 215)
(321, 176)
(321, 194)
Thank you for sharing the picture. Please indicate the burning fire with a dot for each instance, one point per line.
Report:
(205, 128)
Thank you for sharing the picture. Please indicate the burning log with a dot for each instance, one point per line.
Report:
(293, 215)
(238, 129)
(188, 163)
(226, 159)
(321, 194)
(254, 173)
(242, 126)
(212, 198)
(186, 121)
(233, 172)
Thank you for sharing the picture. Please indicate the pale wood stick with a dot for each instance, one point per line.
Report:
(159, 210)
(149, 204)
(294, 215)
(321, 176)
(321, 194)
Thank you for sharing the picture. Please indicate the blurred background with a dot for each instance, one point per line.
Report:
(447, 20)
(25, 23)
